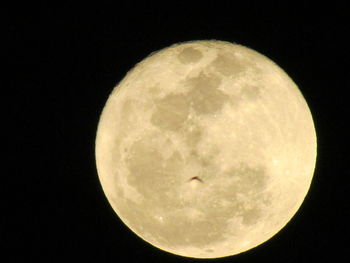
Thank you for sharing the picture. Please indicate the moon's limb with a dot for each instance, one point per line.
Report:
(215, 111)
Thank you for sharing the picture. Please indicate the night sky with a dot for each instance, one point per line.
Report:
(63, 61)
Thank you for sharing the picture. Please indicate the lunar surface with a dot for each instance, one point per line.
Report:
(206, 149)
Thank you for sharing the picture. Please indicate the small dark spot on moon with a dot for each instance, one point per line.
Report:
(196, 178)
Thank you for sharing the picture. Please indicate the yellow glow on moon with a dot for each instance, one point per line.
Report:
(206, 149)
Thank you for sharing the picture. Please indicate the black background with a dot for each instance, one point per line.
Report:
(64, 60)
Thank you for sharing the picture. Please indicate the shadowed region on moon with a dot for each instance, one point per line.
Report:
(204, 94)
(204, 97)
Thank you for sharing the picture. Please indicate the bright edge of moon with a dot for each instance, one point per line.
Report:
(206, 149)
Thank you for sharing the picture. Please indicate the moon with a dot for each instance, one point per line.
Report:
(206, 149)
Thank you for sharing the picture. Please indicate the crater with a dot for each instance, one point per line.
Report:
(171, 112)
(189, 55)
(227, 64)
(205, 96)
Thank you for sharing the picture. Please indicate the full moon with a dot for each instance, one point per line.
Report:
(206, 149)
